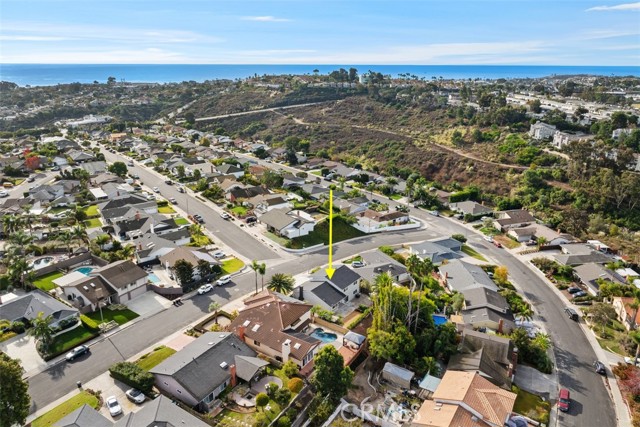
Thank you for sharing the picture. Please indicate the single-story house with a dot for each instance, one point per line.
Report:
(189, 254)
(288, 223)
(579, 253)
(471, 208)
(459, 276)
(378, 262)
(535, 231)
(27, 307)
(591, 274)
(437, 250)
(514, 218)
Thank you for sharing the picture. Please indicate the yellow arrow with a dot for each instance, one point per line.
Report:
(330, 270)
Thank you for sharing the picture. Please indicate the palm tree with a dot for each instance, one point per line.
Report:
(262, 270)
(66, 238)
(41, 330)
(281, 283)
(526, 313)
(20, 239)
(78, 233)
(541, 242)
(214, 306)
(542, 341)
(102, 240)
(255, 266)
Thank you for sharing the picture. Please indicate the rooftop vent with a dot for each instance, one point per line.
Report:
(296, 345)
(224, 365)
(255, 328)
(86, 288)
(246, 323)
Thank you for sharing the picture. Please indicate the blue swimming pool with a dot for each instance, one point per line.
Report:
(153, 278)
(439, 319)
(324, 336)
(84, 270)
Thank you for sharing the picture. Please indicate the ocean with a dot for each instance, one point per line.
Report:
(52, 74)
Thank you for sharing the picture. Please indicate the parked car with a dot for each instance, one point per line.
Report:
(181, 189)
(225, 215)
(530, 243)
(564, 400)
(198, 218)
(488, 238)
(3, 193)
(113, 406)
(130, 163)
(150, 197)
(156, 190)
(205, 288)
(223, 280)
(31, 179)
(574, 289)
(77, 352)
(251, 219)
(357, 264)
(579, 294)
(168, 182)
(497, 244)
(434, 213)
(599, 367)
(219, 255)
(135, 395)
(573, 315)
(173, 200)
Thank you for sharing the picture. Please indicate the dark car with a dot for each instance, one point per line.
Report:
(77, 352)
(573, 315)
(599, 367)
(574, 290)
(251, 219)
(579, 294)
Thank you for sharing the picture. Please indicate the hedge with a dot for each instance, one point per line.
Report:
(132, 375)
(89, 323)
(295, 385)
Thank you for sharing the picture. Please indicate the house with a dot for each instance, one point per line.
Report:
(348, 207)
(119, 206)
(85, 293)
(238, 193)
(591, 274)
(265, 202)
(292, 181)
(579, 253)
(203, 369)
(94, 168)
(492, 356)
(471, 208)
(344, 279)
(378, 262)
(486, 308)
(540, 131)
(288, 223)
(562, 139)
(459, 276)
(78, 156)
(437, 250)
(626, 313)
(535, 231)
(191, 255)
(371, 221)
(26, 308)
(279, 153)
(127, 279)
(273, 327)
(327, 293)
(229, 169)
(315, 192)
(397, 375)
(512, 219)
(466, 399)
(150, 247)
(158, 412)
(618, 133)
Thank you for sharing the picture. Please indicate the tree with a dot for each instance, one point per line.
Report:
(281, 283)
(262, 400)
(184, 272)
(457, 302)
(262, 270)
(14, 395)
(214, 306)
(204, 268)
(330, 377)
(290, 368)
(459, 237)
(255, 266)
(190, 118)
(501, 275)
(119, 169)
(41, 330)
(295, 385)
(601, 314)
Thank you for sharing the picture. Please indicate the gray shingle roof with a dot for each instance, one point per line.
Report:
(328, 293)
(84, 416)
(120, 273)
(28, 306)
(160, 412)
(461, 276)
(343, 277)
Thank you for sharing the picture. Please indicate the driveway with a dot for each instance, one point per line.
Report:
(23, 347)
(148, 304)
(534, 381)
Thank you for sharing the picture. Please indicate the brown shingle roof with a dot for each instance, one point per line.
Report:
(121, 273)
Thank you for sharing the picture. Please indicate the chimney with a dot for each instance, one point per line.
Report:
(301, 297)
(241, 332)
(137, 214)
(234, 378)
(500, 326)
(117, 193)
(286, 350)
(139, 246)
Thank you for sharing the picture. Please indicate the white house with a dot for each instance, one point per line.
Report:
(541, 131)
(288, 223)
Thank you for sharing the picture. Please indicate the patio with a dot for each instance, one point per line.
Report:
(260, 386)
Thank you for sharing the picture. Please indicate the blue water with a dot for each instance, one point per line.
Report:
(52, 74)
(84, 270)
(438, 319)
(153, 278)
(323, 336)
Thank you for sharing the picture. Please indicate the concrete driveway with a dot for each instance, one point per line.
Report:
(23, 347)
(534, 381)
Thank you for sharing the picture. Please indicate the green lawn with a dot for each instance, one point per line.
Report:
(166, 210)
(231, 265)
(341, 231)
(531, 406)
(93, 223)
(45, 282)
(237, 418)
(316, 173)
(279, 240)
(91, 211)
(182, 221)
(395, 196)
(68, 340)
(64, 409)
(350, 260)
(472, 253)
(120, 316)
(154, 358)
(239, 210)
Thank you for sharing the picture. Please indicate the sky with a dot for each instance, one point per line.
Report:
(420, 32)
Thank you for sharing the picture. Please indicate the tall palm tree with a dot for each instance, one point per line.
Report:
(214, 306)
(262, 270)
(66, 238)
(41, 330)
(20, 239)
(255, 266)
(281, 283)
(102, 240)
(78, 233)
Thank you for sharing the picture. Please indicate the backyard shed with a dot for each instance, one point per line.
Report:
(397, 375)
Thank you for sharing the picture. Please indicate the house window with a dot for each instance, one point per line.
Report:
(279, 359)
(257, 343)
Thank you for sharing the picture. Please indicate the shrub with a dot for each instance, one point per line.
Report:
(262, 399)
(290, 369)
(89, 323)
(387, 250)
(132, 375)
(272, 389)
(284, 421)
(459, 237)
(282, 396)
(295, 385)
(17, 327)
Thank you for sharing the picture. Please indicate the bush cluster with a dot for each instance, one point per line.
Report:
(132, 375)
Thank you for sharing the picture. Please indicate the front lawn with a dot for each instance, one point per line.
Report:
(45, 282)
(506, 242)
(239, 210)
(199, 240)
(182, 221)
(320, 234)
(119, 316)
(71, 339)
(395, 196)
(473, 253)
(93, 223)
(91, 211)
(231, 265)
(65, 408)
(350, 260)
(154, 358)
(166, 210)
(279, 240)
(531, 406)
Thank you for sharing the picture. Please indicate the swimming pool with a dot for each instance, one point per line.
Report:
(153, 278)
(323, 336)
(42, 262)
(84, 270)
(439, 319)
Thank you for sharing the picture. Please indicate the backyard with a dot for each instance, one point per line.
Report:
(91, 211)
(531, 406)
(154, 358)
(341, 231)
(45, 282)
(65, 408)
(93, 223)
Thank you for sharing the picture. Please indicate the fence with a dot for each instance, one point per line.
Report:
(329, 325)
(71, 262)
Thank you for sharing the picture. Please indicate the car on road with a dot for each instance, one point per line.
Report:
(219, 255)
(402, 208)
(198, 218)
(599, 367)
(357, 264)
(573, 315)
(135, 395)
(579, 294)
(31, 179)
(134, 175)
(77, 352)
(251, 219)
(168, 182)
(113, 406)
(434, 213)
(497, 244)
(574, 290)
(181, 189)
(173, 200)
(156, 190)
(488, 238)
(130, 163)
(564, 400)
(3, 193)
(150, 197)
(225, 215)
(223, 280)
(205, 288)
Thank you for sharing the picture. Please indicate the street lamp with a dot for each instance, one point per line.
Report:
(99, 295)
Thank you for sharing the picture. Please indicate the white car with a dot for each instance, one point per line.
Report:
(3, 193)
(219, 255)
(357, 264)
(205, 288)
(135, 395)
(225, 215)
(113, 406)
(173, 200)
(156, 190)
(223, 280)
(488, 238)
